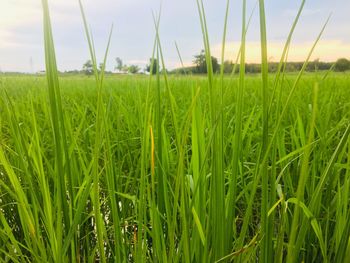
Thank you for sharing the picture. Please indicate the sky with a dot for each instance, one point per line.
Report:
(21, 32)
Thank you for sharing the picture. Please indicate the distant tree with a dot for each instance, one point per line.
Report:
(324, 65)
(119, 65)
(312, 66)
(183, 71)
(201, 63)
(254, 68)
(290, 67)
(155, 66)
(272, 67)
(342, 65)
(133, 69)
(228, 66)
(88, 68)
(316, 64)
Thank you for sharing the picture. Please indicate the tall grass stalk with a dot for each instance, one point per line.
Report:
(61, 152)
(266, 225)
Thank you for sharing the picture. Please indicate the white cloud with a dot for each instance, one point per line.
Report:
(18, 12)
(20, 18)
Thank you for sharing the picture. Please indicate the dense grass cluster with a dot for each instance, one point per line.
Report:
(130, 171)
(175, 169)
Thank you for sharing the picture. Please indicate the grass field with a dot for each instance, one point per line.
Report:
(139, 149)
(167, 168)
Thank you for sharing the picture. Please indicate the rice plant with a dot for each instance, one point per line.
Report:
(169, 168)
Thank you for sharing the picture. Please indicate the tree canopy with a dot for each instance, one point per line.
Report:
(133, 69)
(201, 63)
(119, 65)
(88, 68)
(342, 65)
(153, 66)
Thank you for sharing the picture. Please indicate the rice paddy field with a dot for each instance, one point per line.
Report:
(173, 168)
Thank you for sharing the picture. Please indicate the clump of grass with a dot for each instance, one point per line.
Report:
(175, 169)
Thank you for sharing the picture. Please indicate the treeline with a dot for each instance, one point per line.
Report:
(200, 66)
(229, 67)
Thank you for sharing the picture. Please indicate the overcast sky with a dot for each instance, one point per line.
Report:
(21, 37)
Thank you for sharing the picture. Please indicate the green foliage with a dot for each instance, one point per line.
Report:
(133, 69)
(119, 65)
(153, 66)
(176, 169)
(88, 68)
(121, 164)
(342, 65)
(201, 64)
(255, 68)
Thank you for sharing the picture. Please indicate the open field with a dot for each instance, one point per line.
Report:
(156, 167)
(177, 168)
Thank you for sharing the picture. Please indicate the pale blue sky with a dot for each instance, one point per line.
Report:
(21, 30)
